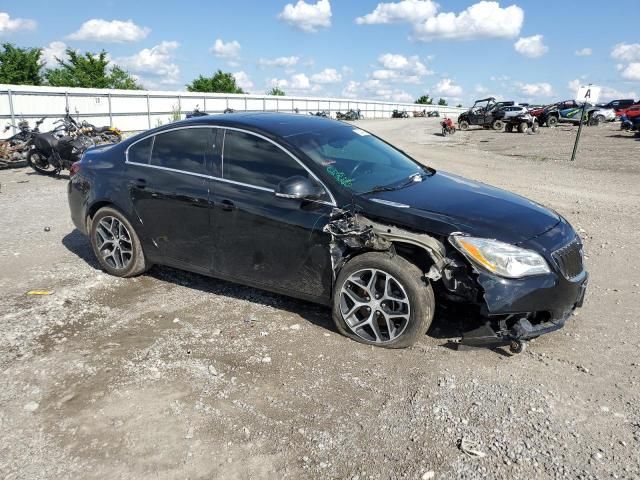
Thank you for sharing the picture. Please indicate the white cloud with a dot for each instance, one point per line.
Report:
(243, 81)
(114, 31)
(286, 62)
(351, 90)
(10, 25)
(532, 47)
(536, 89)
(447, 88)
(225, 50)
(411, 11)
(481, 20)
(584, 52)
(300, 81)
(632, 72)
(157, 62)
(52, 51)
(328, 75)
(306, 16)
(279, 82)
(628, 52)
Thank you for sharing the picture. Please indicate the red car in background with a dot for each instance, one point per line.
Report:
(631, 112)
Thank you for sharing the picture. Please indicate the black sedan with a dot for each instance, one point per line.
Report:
(324, 211)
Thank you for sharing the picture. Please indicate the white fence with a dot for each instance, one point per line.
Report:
(132, 110)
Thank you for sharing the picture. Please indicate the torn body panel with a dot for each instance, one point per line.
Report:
(352, 233)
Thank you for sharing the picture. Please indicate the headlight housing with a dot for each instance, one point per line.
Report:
(500, 258)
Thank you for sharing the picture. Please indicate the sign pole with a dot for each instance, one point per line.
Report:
(589, 93)
(575, 146)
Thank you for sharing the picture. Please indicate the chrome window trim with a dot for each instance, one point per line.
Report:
(332, 203)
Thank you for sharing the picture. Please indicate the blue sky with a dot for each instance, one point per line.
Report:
(529, 50)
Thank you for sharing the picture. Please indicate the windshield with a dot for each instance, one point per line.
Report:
(356, 159)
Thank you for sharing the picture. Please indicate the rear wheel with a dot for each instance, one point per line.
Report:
(116, 244)
(552, 121)
(382, 300)
(40, 163)
(596, 120)
(508, 128)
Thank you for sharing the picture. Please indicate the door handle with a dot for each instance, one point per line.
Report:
(227, 205)
(141, 183)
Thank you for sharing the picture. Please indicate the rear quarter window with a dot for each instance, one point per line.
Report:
(140, 152)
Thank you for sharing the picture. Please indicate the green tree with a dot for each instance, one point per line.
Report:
(425, 100)
(89, 70)
(442, 102)
(220, 82)
(459, 105)
(20, 66)
(277, 92)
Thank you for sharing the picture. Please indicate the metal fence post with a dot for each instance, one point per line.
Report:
(110, 112)
(245, 104)
(179, 105)
(66, 100)
(277, 104)
(148, 112)
(13, 116)
(264, 104)
(204, 104)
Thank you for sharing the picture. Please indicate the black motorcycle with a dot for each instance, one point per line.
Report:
(196, 113)
(399, 114)
(52, 153)
(323, 114)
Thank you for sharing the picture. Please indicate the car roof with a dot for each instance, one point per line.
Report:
(279, 124)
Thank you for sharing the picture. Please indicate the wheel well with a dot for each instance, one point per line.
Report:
(414, 254)
(92, 211)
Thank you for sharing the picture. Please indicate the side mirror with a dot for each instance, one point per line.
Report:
(300, 188)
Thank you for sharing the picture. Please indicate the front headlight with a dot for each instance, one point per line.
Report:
(500, 258)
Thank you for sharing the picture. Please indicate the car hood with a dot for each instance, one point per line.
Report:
(471, 207)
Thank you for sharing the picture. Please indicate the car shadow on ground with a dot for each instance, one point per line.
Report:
(60, 176)
(446, 324)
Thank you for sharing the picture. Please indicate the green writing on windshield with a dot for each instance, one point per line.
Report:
(341, 177)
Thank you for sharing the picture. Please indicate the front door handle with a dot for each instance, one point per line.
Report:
(141, 183)
(227, 205)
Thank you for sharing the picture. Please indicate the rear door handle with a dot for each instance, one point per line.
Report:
(141, 183)
(227, 205)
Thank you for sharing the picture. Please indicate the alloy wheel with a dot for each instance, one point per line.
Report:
(114, 242)
(374, 305)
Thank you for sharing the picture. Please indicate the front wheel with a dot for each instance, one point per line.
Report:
(523, 127)
(383, 300)
(463, 124)
(116, 244)
(552, 121)
(497, 125)
(40, 163)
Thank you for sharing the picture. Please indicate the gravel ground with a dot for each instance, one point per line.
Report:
(175, 375)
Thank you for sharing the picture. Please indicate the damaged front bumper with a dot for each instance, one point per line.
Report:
(547, 309)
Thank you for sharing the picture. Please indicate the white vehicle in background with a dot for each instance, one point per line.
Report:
(512, 111)
(604, 115)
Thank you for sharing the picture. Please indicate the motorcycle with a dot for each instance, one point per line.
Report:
(323, 114)
(58, 149)
(14, 149)
(629, 125)
(448, 128)
(350, 115)
(399, 114)
(419, 113)
(104, 134)
(433, 113)
(196, 113)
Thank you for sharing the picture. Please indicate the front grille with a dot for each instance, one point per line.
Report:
(569, 259)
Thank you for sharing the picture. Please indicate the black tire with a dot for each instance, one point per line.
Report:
(535, 128)
(137, 264)
(596, 120)
(40, 164)
(552, 121)
(523, 127)
(410, 277)
(508, 128)
(463, 124)
(497, 125)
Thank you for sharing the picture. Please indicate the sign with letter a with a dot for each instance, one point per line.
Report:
(588, 93)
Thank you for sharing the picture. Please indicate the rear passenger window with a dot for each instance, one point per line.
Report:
(255, 161)
(183, 149)
(141, 151)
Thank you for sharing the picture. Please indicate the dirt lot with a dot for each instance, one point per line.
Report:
(174, 375)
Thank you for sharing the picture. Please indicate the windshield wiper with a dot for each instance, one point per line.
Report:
(413, 178)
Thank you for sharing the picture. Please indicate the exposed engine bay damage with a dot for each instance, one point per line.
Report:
(486, 302)
(352, 233)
